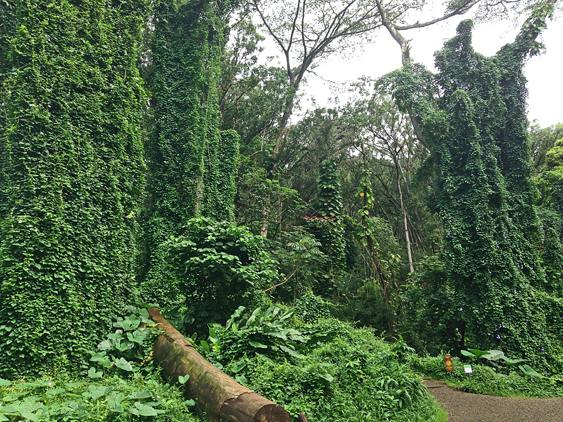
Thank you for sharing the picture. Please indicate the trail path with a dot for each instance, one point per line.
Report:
(467, 407)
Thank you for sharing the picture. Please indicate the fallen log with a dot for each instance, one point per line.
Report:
(218, 397)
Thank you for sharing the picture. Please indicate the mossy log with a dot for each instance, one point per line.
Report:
(218, 397)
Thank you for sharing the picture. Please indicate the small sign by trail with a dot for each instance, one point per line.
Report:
(449, 363)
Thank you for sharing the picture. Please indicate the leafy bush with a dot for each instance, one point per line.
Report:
(331, 371)
(106, 399)
(128, 348)
(430, 319)
(499, 360)
(218, 267)
(265, 332)
(302, 262)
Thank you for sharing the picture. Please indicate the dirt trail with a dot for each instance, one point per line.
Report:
(467, 407)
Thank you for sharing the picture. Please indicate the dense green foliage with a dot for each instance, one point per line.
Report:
(484, 191)
(329, 218)
(191, 163)
(345, 212)
(71, 174)
(55, 399)
(541, 141)
(310, 308)
(328, 370)
(112, 391)
(216, 267)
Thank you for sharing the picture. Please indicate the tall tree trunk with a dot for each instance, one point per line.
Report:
(405, 221)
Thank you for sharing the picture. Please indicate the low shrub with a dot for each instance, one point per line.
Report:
(111, 398)
(310, 308)
(216, 267)
(329, 370)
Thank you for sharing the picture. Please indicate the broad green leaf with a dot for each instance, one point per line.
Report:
(8, 409)
(468, 354)
(205, 345)
(512, 361)
(73, 384)
(183, 379)
(55, 391)
(105, 345)
(92, 373)
(494, 355)
(212, 333)
(124, 346)
(118, 335)
(11, 397)
(290, 351)
(95, 392)
(28, 415)
(141, 394)
(241, 379)
(97, 357)
(189, 402)
(4, 383)
(257, 345)
(327, 377)
(106, 363)
(528, 370)
(130, 323)
(137, 336)
(479, 353)
(253, 317)
(144, 410)
(241, 364)
(279, 334)
(123, 364)
(114, 406)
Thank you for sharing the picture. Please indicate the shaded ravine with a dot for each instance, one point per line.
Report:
(467, 407)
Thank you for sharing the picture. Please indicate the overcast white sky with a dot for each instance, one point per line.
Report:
(544, 72)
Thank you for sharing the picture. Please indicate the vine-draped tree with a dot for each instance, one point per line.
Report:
(71, 171)
(191, 163)
(476, 129)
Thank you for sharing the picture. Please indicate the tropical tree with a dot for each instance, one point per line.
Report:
(472, 116)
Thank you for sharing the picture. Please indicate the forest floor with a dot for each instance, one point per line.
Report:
(467, 407)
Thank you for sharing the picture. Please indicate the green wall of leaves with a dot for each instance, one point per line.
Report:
(473, 114)
(71, 172)
(191, 163)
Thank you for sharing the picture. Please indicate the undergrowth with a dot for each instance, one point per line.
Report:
(121, 384)
(489, 380)
(110, 398)
(329, 370)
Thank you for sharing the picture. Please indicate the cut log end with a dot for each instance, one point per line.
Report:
(302, 417)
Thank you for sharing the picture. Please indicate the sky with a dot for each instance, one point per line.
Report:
(383, 55)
